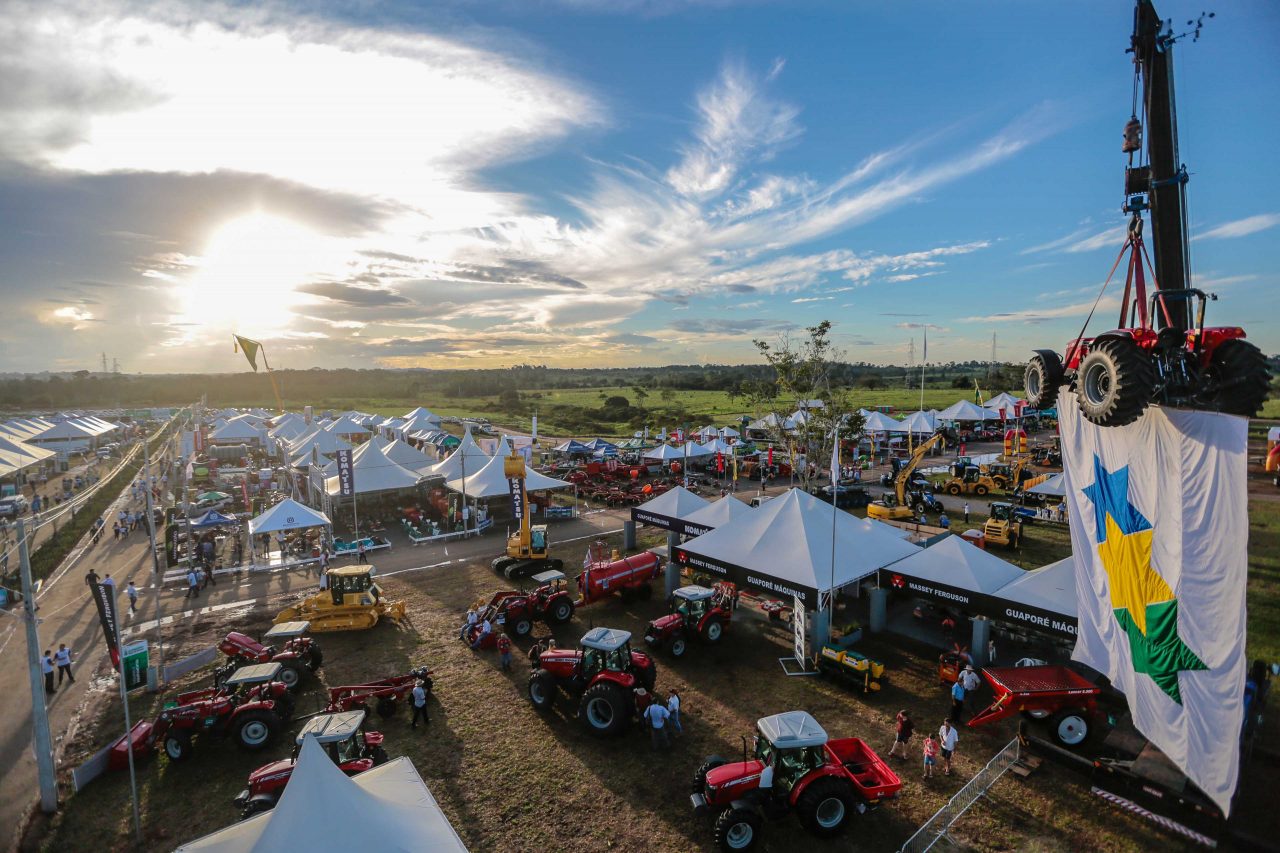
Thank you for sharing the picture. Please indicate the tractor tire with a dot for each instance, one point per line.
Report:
(379, 756)
(737, 829)
(1114, 383)
(562, 611)
(1069, 728)
(826, 806)
(257, 805)
(700, 775)
(291, 675)
(605, 709)
(177, 745)
(678, 646)
(1034, 715)
(255, 730)
(542, 690)
(980, 490)
(953, 489)
(1241, 378)
(1042, 379)
(520, 626)
(386, 707)
(713, 632)
(627, 594)
(921, 509)
(317, 659)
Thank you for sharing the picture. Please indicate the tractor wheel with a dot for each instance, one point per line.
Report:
(542, 690)
(257, 805)
(980, 490)
(714, 631)
(256, 729)
(953, 489)
(605, 709)
(562, 611)
(317, 659)
(177, 745)
(679, 645)
(1041, 380)
(921, 508)
(1238, 371)
(700, 775)
(520, 626)
(386, 707)
(1035, 715)
(737, 829)
(627, 594)
(825, 806)
(1069, 728)
(1114, 383)
(291, 674)
(379, 756)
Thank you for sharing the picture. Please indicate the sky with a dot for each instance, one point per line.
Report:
(583, 183)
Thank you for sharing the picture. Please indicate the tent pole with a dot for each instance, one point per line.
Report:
(835, 500)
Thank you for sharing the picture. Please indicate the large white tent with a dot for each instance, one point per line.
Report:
(465, 458)
(785, 547)
(880, 422)
(321, 442)
(669, 509)
(372, 471)
(715, 514)
(490, 481)
(388, 808)
(349, 428)
(963, 410)
(956, 563)
(236, 431)
(1003, 400)
(919, 423)
(718, 445)
(1051, 588)
(287, 515)
(410, 457)
(1055, 486)
(664, 453)
(424, 414)
(693, 450)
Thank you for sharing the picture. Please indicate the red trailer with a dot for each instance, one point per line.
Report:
(1066, 697)
(385, 693)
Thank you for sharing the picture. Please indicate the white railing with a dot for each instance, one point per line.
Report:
(935, 828)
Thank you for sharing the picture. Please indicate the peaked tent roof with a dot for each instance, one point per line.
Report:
(767, 422)
(694, 450)
(490, 481)
(573, 446)
(664, 452)
(718, 445)
(600, 444)
(70, 430)
(451, 467)
(347, 425)
(1054, 486)
(19, 449)
(880, 422)
(963, 410)
(213, 518)
(1051, 587)
(1003, 399)
(287, 515)
(372, 471)
(236, 430)
(785, 546)
(669, 509)
(715, 514)
(324, 443)
(424, 413)
(955, 562)
(729, 432)
(409, 457)
(920, 423)
(398, 813)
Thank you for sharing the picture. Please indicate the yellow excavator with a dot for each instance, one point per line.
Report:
(909, 498)
(352, 602)
(527, 547)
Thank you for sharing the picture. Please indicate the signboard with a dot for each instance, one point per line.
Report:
(982, 604)
(135, 660)
(517, 497)
(346, 476)
(104, 598)
(201, 437)
(800, 626)
(745, 577)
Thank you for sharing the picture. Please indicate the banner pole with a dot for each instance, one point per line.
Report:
(42, 743)
(128, 729)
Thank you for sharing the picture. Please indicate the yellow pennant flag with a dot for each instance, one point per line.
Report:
(250, 349)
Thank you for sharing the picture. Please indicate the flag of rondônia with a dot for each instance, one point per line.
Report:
(1159, 527)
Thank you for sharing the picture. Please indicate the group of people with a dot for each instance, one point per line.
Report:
(126, 521)
(59, 660)
(934, 749)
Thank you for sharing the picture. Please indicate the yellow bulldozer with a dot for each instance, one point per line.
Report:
(352, 602)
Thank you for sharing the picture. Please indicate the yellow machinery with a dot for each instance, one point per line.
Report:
(969, 480)
(1008, 476)
(1004, 527)
(527, 547)
(901, 502)
(352, 602)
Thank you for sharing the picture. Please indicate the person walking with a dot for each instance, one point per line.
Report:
(420, 704)
(903, 727)
(324, 559)
(957, 701)
(91, 578)
(193, 583)
(109, 581)
(535, 655)
(504, 651)
(930, 756)
(656, 715)
(966, 512)
(991, 652)
(132, 592)
(46, 666)
(361, 556)
(673, 708)
(62, 657)
(971, 682)
(948, 737)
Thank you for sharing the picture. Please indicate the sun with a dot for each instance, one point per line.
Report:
(249, 272)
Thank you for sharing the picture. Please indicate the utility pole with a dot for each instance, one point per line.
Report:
(42, 742)
(104, 362)
(157, 576)
(911, 359)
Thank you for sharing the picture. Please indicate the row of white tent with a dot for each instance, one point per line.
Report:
(29, 442)
(1003, 406)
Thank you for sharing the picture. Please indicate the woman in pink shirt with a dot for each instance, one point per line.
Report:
(930, 755)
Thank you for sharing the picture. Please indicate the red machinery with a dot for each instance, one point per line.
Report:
(298, 656)
(250, 707)
(387, 693)
(701, 614)
(605, 673)
(823, 782)
(1057, 692)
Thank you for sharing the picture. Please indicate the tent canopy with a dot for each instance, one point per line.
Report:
(213, 518)
(1051, 587)
(572, 446)
(669, 509)
(880, 422)
(1054, 486)
(920, 423)
(422, 413)
(236, 431)
(347, 425)
(963, 410)
(956, 563)
(715, 514)
(785, 547)
(467, 456)
(395, 808)
(409, 457)
(287, 515)
(372, 471)
(693, 450)
(1003, 400)
(490, 481)
(665, 453)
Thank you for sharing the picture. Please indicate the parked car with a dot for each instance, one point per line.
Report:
(12, 507)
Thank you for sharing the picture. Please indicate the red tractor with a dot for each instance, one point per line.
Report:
(353, 750)
(298, 655)
(605, 674)
(250, 707)
(700, 613)
(796, 769)
(386, 694)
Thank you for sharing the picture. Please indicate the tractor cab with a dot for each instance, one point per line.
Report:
(1004, 512)
(286, 631)
(548, 583)
(337, 733)
(246, 678)
(606, 649)
(354, 581)
(794, 744)
(693, 602)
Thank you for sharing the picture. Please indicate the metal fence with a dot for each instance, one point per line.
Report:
(935, 829)
(180, 668)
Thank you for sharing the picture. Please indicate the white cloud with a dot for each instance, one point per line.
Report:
(1040, 315)
(1241, 227)
(812, 299)
(1080, 240)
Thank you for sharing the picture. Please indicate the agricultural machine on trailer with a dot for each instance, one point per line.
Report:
(850, 668)
(352, 602)
(527, 548)
(906, 501)
(299, 654)
(796, 770)
(1057, 693)
(250, 708)
(385, 694)
(1159, 353)
(605, 675)
(702, 614)
(352, 750)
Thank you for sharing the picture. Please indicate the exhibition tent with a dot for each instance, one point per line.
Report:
(669, 509)
(1055, 486)
(664, 453)
(465, 458)
(596, 444)
(729, 432)
(693, 450)
(422, 413)
(20, 451)
(715, 514)
(287, 515)
(490, 480)
(963, 410)
(1051, 588)
(920, 423)
(954, 562)
(323, 443)
(388, 808)
(348, 427)
(718, 445)
(213, 518)
(1003, 400)
(236, 432)
(572, 446)
(410, 457)
(707, 432)
(879, 422)
(372, 471)
(784, 547)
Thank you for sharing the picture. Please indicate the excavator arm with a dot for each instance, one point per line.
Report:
(904, 475)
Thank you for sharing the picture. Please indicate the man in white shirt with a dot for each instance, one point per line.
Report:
(419, 704)
(485, 629)
(62, 657)
(657, 715)
(971, 682)
(948, 737)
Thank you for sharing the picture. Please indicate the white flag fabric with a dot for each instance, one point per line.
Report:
(1160, 529)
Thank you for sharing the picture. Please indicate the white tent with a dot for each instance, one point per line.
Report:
(880, 422)
(707, 432)
(785, 548)
(796, 419)
(769, 421)
(323, 443)
(490, 481)
(422, 413)
(372, 471)
(664, 453)
(1003, 400)
(388, 808)
(236, 431)
(287, 515)
(451, 467)
(956, 563)
(717, 446)
(410, 457)
(963, 410)
(693, 450)
(669, 509)
(729, 432)
(1052, 587)
(348, 426)
(1055, 486)
(69, 431)
(715, 514)
(920, 423)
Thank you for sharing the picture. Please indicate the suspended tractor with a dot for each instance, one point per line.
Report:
(250, 708)
(796, 769)
(701, 614)
(605, 675)
(298, 656)
(527, 547)
(969, 480)
(352, 602)
(1004, 526)
(907, 500)
(1161, 352)
(351, 749)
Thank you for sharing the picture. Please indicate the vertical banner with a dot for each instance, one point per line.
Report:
(106, 602)
(534, 431)
(346, 476)
(135, 658)
(800, 626)
(201, 437)
(307, 416)
(517, 497)
(1160, 530)
(244, 492)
